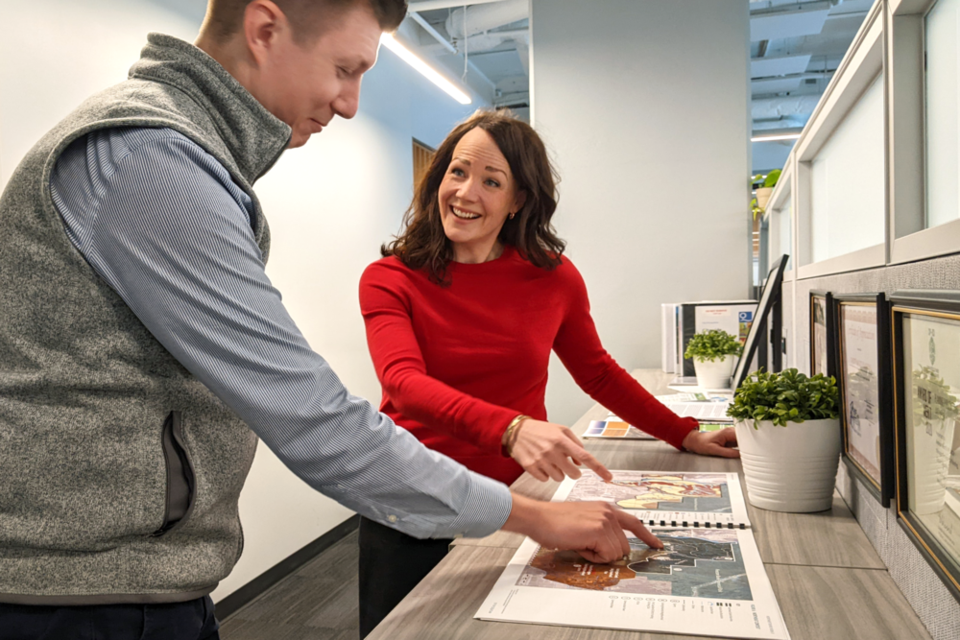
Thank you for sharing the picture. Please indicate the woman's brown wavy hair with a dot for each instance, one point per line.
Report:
(422, 244)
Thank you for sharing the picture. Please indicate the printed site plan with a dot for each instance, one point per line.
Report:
(708, 579)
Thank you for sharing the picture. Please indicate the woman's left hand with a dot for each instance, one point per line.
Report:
(712, 443)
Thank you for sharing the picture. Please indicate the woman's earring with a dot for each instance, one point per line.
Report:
(511, 215)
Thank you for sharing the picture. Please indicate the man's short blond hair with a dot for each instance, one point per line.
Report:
(308, 17)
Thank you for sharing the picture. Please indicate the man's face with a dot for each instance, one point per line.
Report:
(306, 86)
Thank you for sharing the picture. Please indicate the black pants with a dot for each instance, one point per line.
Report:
(391, 565)
(193, 620)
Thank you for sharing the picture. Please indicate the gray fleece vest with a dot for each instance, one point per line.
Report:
(119, 471)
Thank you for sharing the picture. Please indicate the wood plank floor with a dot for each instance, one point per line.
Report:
(317, 602)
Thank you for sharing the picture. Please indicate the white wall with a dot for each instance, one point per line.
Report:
(645, 106)
(59, 52)
(330, 205)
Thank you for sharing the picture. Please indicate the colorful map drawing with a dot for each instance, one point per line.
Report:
(699, 563)
(700, 492)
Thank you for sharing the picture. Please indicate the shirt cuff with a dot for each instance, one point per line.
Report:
(491, 439)
(678, 435)
(485, 511)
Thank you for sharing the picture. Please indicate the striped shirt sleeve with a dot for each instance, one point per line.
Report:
(161, 221)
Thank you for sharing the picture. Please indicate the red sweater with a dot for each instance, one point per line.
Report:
(458, 363)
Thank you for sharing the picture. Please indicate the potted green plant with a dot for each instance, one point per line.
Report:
(714, 354)
(764, 192)
(788, 432)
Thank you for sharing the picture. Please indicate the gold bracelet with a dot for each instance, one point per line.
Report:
(508, 434)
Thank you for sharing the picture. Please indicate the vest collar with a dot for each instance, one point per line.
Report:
(253, 135)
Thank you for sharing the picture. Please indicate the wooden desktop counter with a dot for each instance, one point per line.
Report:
(829, 581)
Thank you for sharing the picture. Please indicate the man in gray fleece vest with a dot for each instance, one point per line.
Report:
(143, 350)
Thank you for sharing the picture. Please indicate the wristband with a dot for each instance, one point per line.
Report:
(506, 442)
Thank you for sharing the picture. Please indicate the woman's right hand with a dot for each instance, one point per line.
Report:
(547, 450)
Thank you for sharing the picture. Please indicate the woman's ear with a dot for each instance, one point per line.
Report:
(520, 200)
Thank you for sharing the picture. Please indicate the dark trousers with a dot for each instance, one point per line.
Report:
(193, 620)
(391, 565)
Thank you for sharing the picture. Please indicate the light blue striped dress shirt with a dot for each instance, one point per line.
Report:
(161, 221)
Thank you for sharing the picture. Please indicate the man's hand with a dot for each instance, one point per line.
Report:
(713, 443)
(595, 530)
(546, 450)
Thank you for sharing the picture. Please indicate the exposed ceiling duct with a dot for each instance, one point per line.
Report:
(487, 41)
(430, 5)
(523, 50)
(485, 17)
(792, 107)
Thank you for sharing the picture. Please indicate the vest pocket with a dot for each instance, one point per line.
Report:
(180, 475)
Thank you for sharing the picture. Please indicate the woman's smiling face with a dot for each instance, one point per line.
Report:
(477, 194)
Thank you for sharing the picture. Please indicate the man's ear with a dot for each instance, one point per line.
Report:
(263, 21)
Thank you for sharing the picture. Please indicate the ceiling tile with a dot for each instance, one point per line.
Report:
(774, 85)
(769, 67)
(786, 25)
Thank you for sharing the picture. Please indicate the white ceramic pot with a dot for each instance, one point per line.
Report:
(763, 196)
(716, 374)
(792, 468)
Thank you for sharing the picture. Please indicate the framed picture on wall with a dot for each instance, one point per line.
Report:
(926, 379)
(822, 347)
(863, 370)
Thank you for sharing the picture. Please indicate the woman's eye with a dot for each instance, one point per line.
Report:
(457, 172)
(493, 183)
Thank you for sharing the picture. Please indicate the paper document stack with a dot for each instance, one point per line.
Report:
(711, 409)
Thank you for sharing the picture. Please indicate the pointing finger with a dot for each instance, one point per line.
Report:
(592, 463)
(622, 539)
(634, 525)
(572, 436)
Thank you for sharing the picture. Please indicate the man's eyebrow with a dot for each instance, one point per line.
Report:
(357, 63)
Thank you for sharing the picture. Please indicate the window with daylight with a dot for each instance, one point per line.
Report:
(847, 181)
(942, 113)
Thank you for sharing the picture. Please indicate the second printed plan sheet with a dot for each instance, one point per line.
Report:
(708, 579)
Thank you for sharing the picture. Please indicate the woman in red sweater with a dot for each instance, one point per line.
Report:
(461, 315)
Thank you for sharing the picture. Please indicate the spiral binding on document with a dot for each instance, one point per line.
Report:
(684, 523)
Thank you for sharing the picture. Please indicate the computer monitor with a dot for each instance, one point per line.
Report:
(757, 335)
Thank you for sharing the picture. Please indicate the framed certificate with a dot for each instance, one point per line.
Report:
(863, 371)
(822, 347)
(926, 379)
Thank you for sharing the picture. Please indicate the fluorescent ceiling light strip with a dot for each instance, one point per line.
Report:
(771, 138)
(428, 72)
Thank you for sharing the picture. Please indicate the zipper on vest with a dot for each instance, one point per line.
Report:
(180, 487)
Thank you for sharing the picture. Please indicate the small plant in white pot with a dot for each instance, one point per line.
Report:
(714, 355)
(788, 432)
(765, 190)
